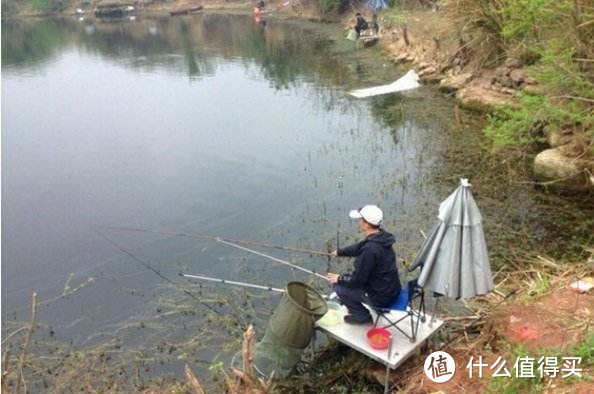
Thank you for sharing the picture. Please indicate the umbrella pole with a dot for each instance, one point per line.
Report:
(434, 311)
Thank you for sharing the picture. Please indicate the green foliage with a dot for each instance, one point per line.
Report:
(536, 384)
(327, 6)
(216, 367)
(395, 16)
(540, 287)
(512, 126)
(585, 350)
(515, 385)
(561, 74)
(565, 103)
(551, 36)
(528, 19)
(535, 26)
(40, 5)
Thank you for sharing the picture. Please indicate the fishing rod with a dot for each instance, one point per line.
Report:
(156, 272)
(234, 283)
(297, 267)
(214, 238)
(234, 244)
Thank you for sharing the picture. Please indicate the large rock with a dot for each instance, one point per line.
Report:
(454, 82)
(480, 96)
(518, 76)
(563, 172)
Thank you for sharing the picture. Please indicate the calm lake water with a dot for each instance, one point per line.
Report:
(207, 124)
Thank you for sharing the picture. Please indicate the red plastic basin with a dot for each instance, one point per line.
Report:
(378, 338)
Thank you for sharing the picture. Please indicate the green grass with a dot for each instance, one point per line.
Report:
(585, 350)
(566, 103)
(327, 6)
(534, 385)
(538, 289)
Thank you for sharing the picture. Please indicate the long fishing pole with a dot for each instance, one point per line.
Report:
(297, 267)
(214, 238)
(156, 272)
(234, 283)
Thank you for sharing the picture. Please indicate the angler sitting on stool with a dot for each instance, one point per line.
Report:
(375, 278)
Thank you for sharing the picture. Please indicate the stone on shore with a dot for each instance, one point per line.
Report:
(454, 82)
(518, 76)
(478, 95)
(563, 172)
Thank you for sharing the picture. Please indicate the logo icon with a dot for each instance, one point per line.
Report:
(440, 367)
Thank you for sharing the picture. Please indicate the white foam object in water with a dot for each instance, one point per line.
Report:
(408, 81)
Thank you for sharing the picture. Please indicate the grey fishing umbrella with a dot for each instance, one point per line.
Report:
(454, 257)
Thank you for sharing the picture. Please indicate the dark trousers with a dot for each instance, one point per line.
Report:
(353, 299)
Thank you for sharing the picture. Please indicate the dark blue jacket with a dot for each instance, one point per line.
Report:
(375, 268)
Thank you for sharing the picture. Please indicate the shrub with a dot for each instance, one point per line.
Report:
(327, 6)
(554, 37)
(567, 103)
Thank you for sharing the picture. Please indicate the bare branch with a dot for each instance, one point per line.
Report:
(20, 378)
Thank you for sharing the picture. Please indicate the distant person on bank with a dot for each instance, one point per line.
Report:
(374, 25)
(360, 24)
(375, 279)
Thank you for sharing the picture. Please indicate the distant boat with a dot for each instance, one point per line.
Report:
(113, 9)
(185, 10)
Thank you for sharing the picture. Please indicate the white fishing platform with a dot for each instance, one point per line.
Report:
(355, 337)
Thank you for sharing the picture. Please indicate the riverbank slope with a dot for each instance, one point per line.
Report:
(534, 85)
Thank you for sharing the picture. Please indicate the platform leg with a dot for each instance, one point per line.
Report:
(387, 381)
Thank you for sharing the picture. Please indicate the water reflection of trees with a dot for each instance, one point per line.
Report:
(285, 54)
(31, 43)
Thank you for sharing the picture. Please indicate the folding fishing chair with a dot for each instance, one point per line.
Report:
(409, 295)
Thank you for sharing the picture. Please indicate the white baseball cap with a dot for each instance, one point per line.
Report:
(370, 213)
